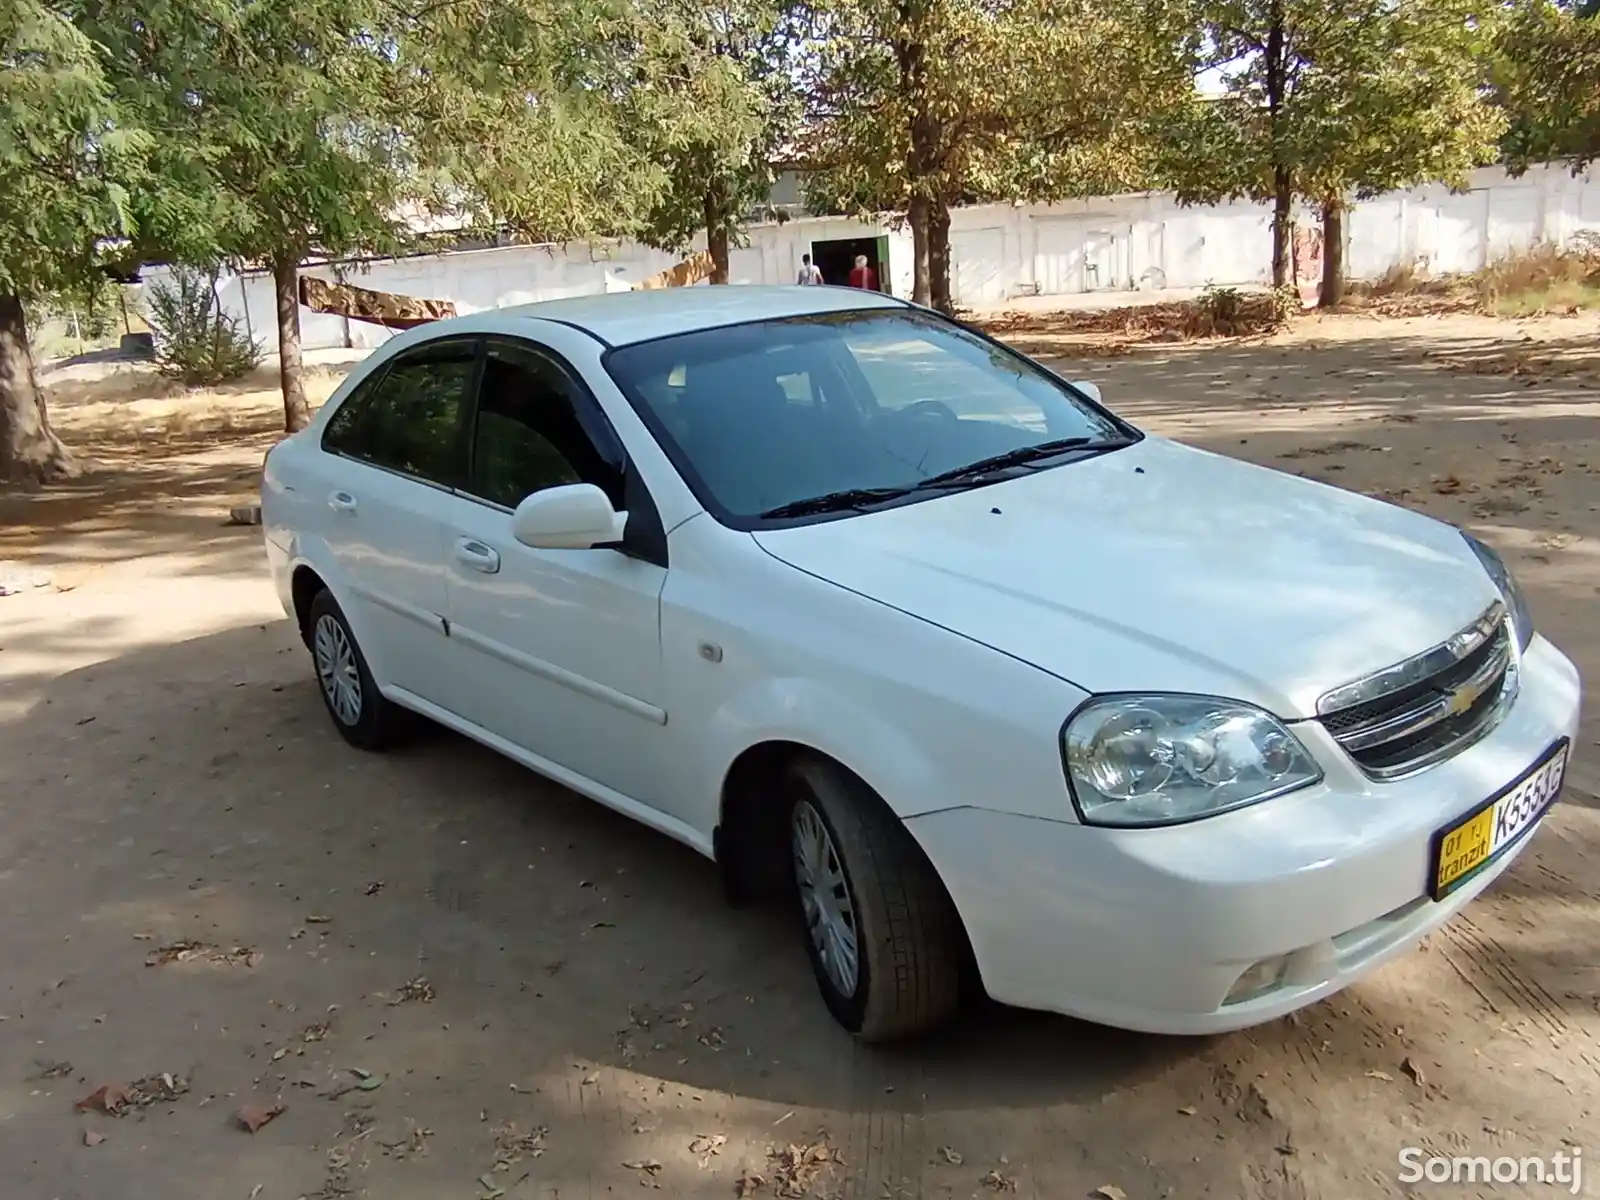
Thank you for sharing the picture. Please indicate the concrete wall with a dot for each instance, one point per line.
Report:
(1002, 251)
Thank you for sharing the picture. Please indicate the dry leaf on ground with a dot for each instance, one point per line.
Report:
(997, 1181)
(1411, 1068)
(1110, 1191)
(950, 1156)
(512, 1146)
(252, 1117)
(91, 1138)
(191, 951)
(707, 1146)
(795, 1168)
(418, 989)
(107, 1098)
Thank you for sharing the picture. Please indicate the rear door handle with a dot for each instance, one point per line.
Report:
(342, 502)
(474, 555)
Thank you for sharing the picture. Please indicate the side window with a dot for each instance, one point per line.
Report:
(410, 420)
(344, 427)
(528, 436)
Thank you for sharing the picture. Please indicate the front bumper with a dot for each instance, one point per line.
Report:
(1152, 929)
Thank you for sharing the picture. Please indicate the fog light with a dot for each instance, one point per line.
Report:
(1260, 979)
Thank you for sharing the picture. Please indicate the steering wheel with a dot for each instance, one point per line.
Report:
(936, 408)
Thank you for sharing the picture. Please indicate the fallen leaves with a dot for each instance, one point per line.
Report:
(91, 1138)
(114, 1098)
(1109, 1191)
(191, 951)
(1383, 1076)
(1411, 1068)
(950, 1156)
(997, 1180)
(316, 1032)
(252, 1117)
(418, 990)
(512, 1146)
(748, 1184)
(707, 1146)
(795, 1169)
(51, 1070)
(649, 1167)
(373, 888)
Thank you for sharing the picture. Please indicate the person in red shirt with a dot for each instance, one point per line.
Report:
(863, 276)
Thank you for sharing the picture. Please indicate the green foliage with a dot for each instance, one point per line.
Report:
(198, 342)
(272, 122)
(969, 100)
(515, 112)
(1546, 73)
(1334, 97)
(67, 155)
(1230, 311)
(711, 99)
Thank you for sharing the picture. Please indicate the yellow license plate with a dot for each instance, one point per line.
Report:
(1465, 848)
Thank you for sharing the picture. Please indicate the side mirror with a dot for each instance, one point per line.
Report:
(577, 516)
(1091, 390)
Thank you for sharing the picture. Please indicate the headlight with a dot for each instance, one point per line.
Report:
(1510, 589)
(1159, 760)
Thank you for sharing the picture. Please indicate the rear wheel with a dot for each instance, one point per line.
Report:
(360, 714)
(884, 939)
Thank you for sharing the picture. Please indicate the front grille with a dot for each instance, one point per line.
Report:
(1423, 710)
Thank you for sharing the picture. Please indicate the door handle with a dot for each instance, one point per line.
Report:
(342, 502)
(476, 556)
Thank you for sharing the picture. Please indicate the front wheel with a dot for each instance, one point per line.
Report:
(884, 939)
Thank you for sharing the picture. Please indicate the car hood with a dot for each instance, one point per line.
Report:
(1161, 567)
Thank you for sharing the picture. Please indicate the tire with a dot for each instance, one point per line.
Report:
(358, 711)
(908, 937)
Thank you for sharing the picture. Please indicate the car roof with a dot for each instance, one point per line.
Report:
(622, 318)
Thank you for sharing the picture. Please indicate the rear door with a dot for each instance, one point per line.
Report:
(400, 445)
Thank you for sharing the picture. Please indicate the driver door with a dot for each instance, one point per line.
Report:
(560, 649)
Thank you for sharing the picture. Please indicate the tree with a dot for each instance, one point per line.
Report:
(711, 98)
(919, 105)
(276, 130)
(66, 158)
(1325, 98)
(516, 113)
(1547, 79)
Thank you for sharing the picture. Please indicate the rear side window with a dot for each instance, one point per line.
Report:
(410, 418)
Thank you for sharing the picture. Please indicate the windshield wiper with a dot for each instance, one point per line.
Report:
(1021, 456)
(838, 501)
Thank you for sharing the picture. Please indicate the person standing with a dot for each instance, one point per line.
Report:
(863, 276)
(810, 275)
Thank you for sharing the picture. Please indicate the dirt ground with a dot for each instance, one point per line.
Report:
(460, 981)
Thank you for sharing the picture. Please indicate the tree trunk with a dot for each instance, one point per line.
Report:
(939, 257)
(1282, 228)
(30, 452)
(1276, 56)
(921, 270)
(717, 234)
(1332, 291)
(291, 376)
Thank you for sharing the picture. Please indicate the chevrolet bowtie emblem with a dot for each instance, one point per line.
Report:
(1464, 698)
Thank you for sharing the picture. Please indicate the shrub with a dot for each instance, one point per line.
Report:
(198, 342)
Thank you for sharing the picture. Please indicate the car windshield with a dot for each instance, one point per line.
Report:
(841, 411)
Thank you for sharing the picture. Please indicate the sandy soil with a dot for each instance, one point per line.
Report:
(549, 1001)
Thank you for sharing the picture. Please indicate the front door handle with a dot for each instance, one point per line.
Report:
(476, 556)
(342, 502)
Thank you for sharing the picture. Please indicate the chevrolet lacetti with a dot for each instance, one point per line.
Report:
(888, 619)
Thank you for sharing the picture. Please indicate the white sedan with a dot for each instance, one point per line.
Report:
(884, 617)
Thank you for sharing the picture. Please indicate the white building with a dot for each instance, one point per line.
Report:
(999, 251)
